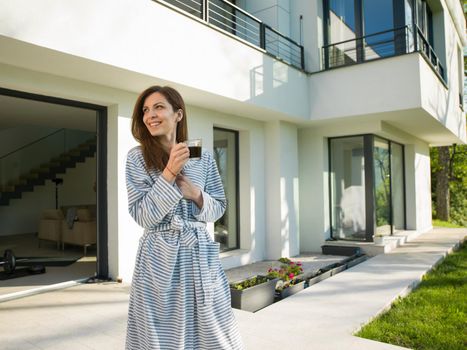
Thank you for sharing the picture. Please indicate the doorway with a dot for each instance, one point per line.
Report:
(52, 188)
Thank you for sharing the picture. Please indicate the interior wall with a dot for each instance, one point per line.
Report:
(23, 215)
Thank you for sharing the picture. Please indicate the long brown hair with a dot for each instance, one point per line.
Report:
(155, 156)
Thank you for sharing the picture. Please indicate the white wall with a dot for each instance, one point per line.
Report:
(418, 186)
(23, 215)
(275, 13)
(105, 46)
(281, 190)
(312, 30)
(314, 190)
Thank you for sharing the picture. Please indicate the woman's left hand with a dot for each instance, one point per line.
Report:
(189, 190)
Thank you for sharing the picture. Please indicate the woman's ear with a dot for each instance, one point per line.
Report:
(180, 115)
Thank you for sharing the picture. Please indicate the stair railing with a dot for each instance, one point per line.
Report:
(31, 156)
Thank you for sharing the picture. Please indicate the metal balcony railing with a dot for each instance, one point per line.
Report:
(235, 21)
(387, 43)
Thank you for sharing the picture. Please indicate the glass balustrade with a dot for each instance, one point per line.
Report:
(16, 165)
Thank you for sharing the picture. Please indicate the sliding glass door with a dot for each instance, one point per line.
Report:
(382, 186)
(397, 187)
(348, 188)
(366, 187)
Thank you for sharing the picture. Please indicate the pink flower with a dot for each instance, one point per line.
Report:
(291, 263)
(269, 270)
(299, 264)
(291, 275)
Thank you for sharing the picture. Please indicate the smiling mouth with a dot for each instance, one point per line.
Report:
(154, 124)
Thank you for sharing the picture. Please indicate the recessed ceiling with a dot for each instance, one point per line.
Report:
(17, 111)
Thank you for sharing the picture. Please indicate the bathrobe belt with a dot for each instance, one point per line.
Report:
(197, 244)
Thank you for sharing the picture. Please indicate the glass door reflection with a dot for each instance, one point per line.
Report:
(382, 186)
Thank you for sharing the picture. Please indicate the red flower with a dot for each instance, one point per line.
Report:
(291, 275)
(291, 263)
(299, 264)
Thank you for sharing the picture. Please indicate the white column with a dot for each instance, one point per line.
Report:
(314, 191)
(282, 228)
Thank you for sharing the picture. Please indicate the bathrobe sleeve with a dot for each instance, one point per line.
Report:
(214, 202)
(149, 201)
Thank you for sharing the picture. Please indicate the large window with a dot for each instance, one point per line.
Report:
(358, 31)
(226, 229)
(367, 187)
(362, 30)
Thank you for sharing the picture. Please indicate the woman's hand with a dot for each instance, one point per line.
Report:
(189, 190)
(179, 155)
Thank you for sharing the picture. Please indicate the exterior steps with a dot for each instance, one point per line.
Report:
(47, 171)
(370, 248)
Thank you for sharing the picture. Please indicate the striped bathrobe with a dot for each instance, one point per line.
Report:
(179, 297)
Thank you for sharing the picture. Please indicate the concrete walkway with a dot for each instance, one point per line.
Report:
(324, 316)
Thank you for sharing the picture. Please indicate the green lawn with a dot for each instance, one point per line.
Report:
(434, 316)
(439, 223)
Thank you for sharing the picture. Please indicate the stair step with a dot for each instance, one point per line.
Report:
(7, 188)
(329, 249)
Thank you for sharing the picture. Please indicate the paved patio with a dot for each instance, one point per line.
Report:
(324, 316)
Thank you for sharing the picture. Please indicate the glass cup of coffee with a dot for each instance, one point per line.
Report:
(195, 148)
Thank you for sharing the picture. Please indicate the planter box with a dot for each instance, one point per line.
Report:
(287, 292)
(338, 269)
(356, 261)
(320, 277)
(254, 298)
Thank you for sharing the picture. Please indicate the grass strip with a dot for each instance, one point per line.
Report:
(433, 316)
(440, 223)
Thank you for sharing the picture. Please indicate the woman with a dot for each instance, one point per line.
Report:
(179, 296)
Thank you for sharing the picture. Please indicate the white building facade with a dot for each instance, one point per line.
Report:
(322, 131)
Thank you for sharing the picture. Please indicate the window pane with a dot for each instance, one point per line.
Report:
(348, 188)
(397, 186)
(341, 28)
(378, 17)
(409, 12)
(382, 186)
(225, 154)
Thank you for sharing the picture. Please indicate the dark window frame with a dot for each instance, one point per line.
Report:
(237, 185)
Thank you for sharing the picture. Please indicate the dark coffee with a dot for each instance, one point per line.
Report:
(195, 151)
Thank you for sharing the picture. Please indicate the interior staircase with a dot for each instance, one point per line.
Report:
(47, 171)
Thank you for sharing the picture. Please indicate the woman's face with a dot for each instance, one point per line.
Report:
(159, 116)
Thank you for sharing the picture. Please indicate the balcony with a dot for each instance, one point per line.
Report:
(387, 43)
(235, 21)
